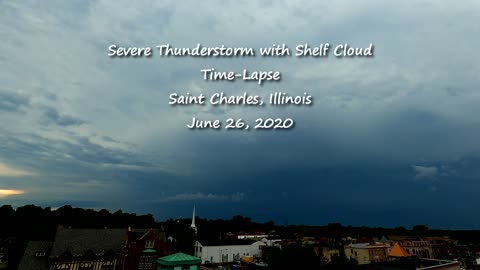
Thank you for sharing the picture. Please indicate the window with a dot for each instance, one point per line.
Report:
(62, 266)
(40, 254)
(149, 243)
(108, 265)
(147, 262)
(86, 266)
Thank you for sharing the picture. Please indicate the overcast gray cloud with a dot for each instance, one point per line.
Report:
(12, 102)
(82, 123)
(53, 116)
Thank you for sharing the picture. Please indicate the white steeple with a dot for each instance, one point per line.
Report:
(193, 221)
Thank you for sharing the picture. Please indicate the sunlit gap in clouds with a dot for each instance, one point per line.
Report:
(10, 192)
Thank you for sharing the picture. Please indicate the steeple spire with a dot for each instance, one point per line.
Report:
(193, 221)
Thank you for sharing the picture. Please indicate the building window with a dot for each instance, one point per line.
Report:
(40, 254)
(62, 266)
(147, 262)
(86, 266)
(108, 265)
(149, 243)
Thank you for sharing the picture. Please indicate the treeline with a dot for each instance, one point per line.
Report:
(32, 222)
(220, 229)
(39, 223)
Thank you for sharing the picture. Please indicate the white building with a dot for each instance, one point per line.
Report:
(272, 242)
(252, 236)
(228, 252)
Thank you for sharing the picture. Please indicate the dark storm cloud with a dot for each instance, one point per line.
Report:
(391, 140)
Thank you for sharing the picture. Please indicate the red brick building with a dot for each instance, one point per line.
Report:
(142, 249)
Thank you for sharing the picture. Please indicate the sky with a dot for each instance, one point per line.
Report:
(391, 140)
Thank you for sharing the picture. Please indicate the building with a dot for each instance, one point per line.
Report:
(86, 249)
(398, 252)
(36, 256)
(96, 249)
(141, 249)
(272, 242)
(326, 252)
(252, 236)
(178, 261)
(326, 248)
(5, 245)
(382, 240)
(3, 261)
(415, 245)
(365, 253)
(439, 245)
(418, 247)
(358, 252)
(413, 262)
(227, 251)
(378, 253)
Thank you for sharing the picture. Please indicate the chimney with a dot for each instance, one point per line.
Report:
(129, 236)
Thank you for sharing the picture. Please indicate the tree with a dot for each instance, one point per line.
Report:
(420, 229)
(400, 230)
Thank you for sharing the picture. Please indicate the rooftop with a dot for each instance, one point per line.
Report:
(414, 263)
(179, 259)
(398, 251)
(80, 241)
(35, 256)
(226, 242)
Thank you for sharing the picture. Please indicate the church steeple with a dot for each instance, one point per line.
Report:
(193, 221)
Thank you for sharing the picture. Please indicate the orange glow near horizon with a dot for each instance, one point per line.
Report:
(10, 192)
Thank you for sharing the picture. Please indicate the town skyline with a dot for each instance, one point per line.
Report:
(386, 139)
(233, 217)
